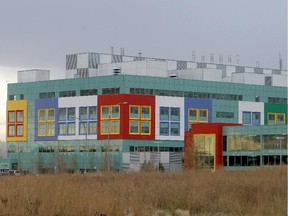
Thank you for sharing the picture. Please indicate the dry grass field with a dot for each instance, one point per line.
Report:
(257, 192)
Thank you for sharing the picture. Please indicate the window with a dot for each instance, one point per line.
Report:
(21, 96)
(66, 121)
(246, 118)
(228, 115)
(197, 115)
(110, 119)
(67, 93)
(88, 92)
(251, 118)
(88, 117)
(276, 118)
(15, 123)
(140, 120)
(46, 122)
(169, 121)
(12, 97)
(110, 90)
(47, 95)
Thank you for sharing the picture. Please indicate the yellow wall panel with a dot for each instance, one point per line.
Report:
(17, 105)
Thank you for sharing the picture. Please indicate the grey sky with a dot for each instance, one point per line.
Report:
(38, 34)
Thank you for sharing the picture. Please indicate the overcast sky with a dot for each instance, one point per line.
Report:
(38, 34)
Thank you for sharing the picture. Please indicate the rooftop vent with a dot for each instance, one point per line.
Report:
(116, 70)
(173, 75)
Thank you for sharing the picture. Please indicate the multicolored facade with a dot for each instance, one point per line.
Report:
(123, 121)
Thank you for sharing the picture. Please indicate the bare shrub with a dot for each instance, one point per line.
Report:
(257, 192)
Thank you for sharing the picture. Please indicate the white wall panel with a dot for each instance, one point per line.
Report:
(127, 58)
(279, 80)
(191, 65)
(164, 157)
(249, 70)
(169, 102)
(126, 157)
(104, 59)
(251, 107)
(230, 70)
(82, 60)
(77, 102)
(267, 71)
(172, 65)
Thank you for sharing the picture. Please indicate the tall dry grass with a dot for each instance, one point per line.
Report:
(257, 192)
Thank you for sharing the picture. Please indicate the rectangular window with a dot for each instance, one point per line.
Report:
(104, 112)
(280, 119)
(19, 130)
(175, 114)
(11, 130)
(62, 114)
(134, 112)
(104, 127)
(71, 128)
(42, 115)
(62, 129)
(115, 127)
(145, 113)
(271, 118)
(134, 127)
(51, 115)
(71, 114)
(256, 118)
(92, 127)
(88, 92)
(83, 128)
(203, 115)
(11, 116)
(164, 113)
(164, 128)
(92, 113)
(192, 115)
(175, 129)
(19, 116)
(115, 112)
(83, 113)
(145, 127)
(41, 129)
(51, 129)
(246, 118)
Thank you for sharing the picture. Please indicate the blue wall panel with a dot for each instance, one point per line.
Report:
(197, 103)
(46, 104)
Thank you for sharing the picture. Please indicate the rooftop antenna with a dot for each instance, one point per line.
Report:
(280, 62)
(211, 57)
(229, 60)
(122, 51)
(193, 56)
(220, 58)
(237, 60)
(257, 64)
(140, 54)
(203, 57)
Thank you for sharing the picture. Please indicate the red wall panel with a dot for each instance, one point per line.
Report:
(208, 128)
(137, 100)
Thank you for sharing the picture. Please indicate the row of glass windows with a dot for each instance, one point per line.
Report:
(228, 115)
(277, 100)
(66, 149)
(70, 93)
(154, 149)
(252, 143)
(215, 96)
